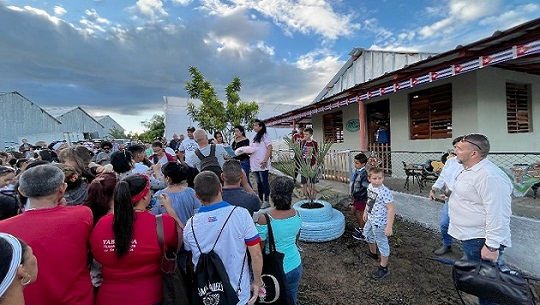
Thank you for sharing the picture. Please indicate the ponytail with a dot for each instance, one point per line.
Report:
(124, 216)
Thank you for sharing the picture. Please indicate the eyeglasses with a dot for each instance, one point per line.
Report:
(465, 140)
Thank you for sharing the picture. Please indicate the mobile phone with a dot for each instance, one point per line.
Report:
(155, 159)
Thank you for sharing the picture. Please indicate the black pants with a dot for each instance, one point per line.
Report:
(191, 173)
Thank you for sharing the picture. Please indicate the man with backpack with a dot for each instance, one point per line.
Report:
(208, 157)
(219, 236)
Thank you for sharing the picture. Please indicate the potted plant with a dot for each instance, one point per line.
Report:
(320, 221)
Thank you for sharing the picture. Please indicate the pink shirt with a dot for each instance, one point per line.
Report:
(135, 278)
(260, 152)
(59, 239)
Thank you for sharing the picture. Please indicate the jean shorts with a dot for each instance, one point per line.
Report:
(375, 234)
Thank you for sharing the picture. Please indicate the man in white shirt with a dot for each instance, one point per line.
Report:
(445, 183)
(185, 151)
(480, 203)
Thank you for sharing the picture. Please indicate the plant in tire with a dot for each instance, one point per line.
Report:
(287, 166)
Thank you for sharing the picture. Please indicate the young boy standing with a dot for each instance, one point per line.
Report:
(358, 188)
(379, 217)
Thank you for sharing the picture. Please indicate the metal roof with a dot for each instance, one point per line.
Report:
(515, 49)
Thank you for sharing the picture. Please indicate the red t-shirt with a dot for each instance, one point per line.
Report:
(310, 146)
(59, 239)
(135, 278)
(297, 137)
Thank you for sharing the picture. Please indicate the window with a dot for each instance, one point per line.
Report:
(333, 127)
(430, 113)
(518, 110)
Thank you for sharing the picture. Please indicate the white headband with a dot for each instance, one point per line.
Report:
(14, 264)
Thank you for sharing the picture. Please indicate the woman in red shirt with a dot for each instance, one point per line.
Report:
(126, 245)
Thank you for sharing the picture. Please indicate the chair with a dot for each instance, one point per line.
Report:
(430, 173)
(408, 173)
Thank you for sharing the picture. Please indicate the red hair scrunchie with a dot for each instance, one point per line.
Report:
(144, 192)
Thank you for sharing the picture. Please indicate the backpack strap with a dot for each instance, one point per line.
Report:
(212, 150)
(199, 154)
(220, 231)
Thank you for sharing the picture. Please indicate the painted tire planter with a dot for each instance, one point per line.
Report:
(321, 224)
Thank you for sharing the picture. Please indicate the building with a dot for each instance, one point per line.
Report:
(22, 118)
(108, 124)
(77, 124)
(491, 86)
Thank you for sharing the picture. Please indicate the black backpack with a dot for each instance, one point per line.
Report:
(210, 162)
(211, 282)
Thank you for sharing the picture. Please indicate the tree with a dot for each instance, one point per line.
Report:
(116, 133)
(215, 115)
(154, 128)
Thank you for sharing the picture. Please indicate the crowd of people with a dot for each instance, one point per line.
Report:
(89, 217)
(88, 214)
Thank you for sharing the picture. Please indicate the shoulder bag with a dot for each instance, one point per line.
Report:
(273, 277)
(174, 285)
(489, 281)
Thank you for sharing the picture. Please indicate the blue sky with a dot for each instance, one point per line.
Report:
(121, 57)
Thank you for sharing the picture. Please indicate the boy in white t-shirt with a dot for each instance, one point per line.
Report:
(379, 217)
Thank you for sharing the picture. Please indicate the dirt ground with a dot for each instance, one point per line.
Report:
(339, 272)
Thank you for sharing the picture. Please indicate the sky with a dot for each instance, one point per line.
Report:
(121, 57)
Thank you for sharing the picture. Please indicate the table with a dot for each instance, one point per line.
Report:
(413, 171)
(524, 177)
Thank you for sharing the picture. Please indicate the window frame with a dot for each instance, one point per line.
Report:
(333, 127)
(430, 113)
(518, 102)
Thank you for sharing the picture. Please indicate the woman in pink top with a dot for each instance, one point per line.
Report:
(126, 245)
(260, 160)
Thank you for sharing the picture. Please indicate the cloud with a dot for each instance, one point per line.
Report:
(149, 10)
(302, 16)
(128, 69)
(59, 11)
(513, 17)
(460, 13)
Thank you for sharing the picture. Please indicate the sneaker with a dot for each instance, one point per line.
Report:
(442, 250)
(265, 205)
(359, 230)
(381, 273)
(372, 255)
(359, 236)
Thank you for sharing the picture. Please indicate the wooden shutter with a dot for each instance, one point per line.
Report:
(431, 113)
(517, 108)
(333, 127)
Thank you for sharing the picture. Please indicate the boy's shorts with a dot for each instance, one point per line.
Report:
(359, 205)
(375, 234)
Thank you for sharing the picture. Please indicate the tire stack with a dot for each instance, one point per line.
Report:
(320, 224)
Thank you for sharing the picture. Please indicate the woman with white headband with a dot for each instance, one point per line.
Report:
(18, 268)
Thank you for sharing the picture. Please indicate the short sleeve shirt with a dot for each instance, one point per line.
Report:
(376, 205)
(258, 156)
(188, 146)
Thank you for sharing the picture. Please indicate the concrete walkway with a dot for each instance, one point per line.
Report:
(523, 255)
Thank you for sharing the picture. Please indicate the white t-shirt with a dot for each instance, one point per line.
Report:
(239, 233)
(188, 146)
(220, 154)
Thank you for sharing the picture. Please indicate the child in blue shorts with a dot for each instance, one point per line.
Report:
(379, 217)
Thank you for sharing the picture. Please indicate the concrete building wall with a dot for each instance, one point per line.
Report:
(491, 86)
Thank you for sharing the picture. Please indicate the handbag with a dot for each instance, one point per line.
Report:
(273, 276)
(489, 281)
(173, 281)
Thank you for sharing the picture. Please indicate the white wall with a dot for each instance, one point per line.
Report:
(492, 110)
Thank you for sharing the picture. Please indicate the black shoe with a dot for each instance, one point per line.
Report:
(381, 273)
(372, 255)
(359, 236)
(442, 250)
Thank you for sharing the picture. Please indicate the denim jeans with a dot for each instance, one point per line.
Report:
(472, 249)
(246, 167)
(445, 222)
(263, 187)
(293, 280)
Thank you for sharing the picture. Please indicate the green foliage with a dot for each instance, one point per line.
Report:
(154, 128)
(215, 115)
(116, 133)
(287, 166)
